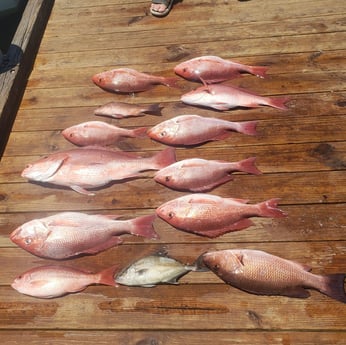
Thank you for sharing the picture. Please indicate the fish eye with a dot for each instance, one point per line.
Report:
(171, 214)
(71, 135)
(163, 133)
(167, 178)
(216, 267)
(100, 80)
(28, 240)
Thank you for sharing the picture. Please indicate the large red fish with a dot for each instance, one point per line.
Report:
(100, 133)
(128, 80)
(225, 97)
(213, 69)
(92, 167)
(261, 273)
(54, 280)
(212, 216)
(68, 234)
(195, 129)
(119, 110)
(201, 175)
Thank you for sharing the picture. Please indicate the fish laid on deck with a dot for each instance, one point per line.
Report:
(100, 133)
(212, 216)
(201, 175)
(185, 130)
(128, 80)
(153, 270)
(261, 273)
(92, 167)
(68, 234)
(213, 69)
(56, 280)
(119, 110)
(225, 97)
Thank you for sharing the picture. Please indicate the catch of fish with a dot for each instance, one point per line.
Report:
(70, 234)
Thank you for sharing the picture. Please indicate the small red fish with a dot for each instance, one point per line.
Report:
(225, 97)
(261, 273)
(100, 133)
(93, 167)
(212, 216)
(195, 129)
(54, 280)
(201, 175)
(119, 110)
(213, 69)
(127, 80)
(69, 234)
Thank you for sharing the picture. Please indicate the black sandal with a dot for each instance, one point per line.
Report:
(167, 3)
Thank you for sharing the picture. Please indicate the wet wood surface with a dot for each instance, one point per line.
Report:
(301, 152)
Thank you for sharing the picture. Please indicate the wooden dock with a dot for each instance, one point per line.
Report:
(301, 152)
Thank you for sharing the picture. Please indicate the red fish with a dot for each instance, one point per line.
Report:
(54, 280)
(100, 133)
(127, 80)
(261, 273)
(224, 97)
(119, 110)
(195, 129)
(92, 167)
(201, 175)
(213, 69)
(68, 234)
(212, 216)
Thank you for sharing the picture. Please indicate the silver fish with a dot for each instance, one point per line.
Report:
(155, 269)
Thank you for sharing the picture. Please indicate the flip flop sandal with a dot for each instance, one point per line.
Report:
(167, 3)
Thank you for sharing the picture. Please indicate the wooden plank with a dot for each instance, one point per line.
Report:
(21, 55)
(175, 337)
(317, 222)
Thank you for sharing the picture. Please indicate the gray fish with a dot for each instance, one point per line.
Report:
(155, 269)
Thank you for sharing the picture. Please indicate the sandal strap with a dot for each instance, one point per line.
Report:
(163, 2)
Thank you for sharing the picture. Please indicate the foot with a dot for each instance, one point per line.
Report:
(160, 8)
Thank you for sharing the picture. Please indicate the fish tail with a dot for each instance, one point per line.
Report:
(154, 109)
(278, 102)
(248, 165)
(140, 132)
(269, 209)
(106, 277)
(333, 286)
(259, 71)
(165, 158)
(248, 127)
(143, 226)
(172, 82)
(199, 265)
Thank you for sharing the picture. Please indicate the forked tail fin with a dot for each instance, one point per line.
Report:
(248, 166)
(333, 286)
(269, 209)
(165, 158)
(154, 109)
(143, 226)
(248, 127)
(106, 277)
(278, 102)
(259, 71)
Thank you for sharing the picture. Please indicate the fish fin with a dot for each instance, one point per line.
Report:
(108, 216)
(165, 157)
(144, 227)
(81, 190)
(296, 291)
(106, 277)
(140, 132)
(222, 136)
(38, 283)
(248, 127)
(240, 225)
(171, 82)
(333, 286)
(278, 102)
(269, 209)
(220, 106)
(199, 265)
(154, 109)
(248, 165)
(259, 71)
(210, 186)
(113, 241)
(237, 200)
